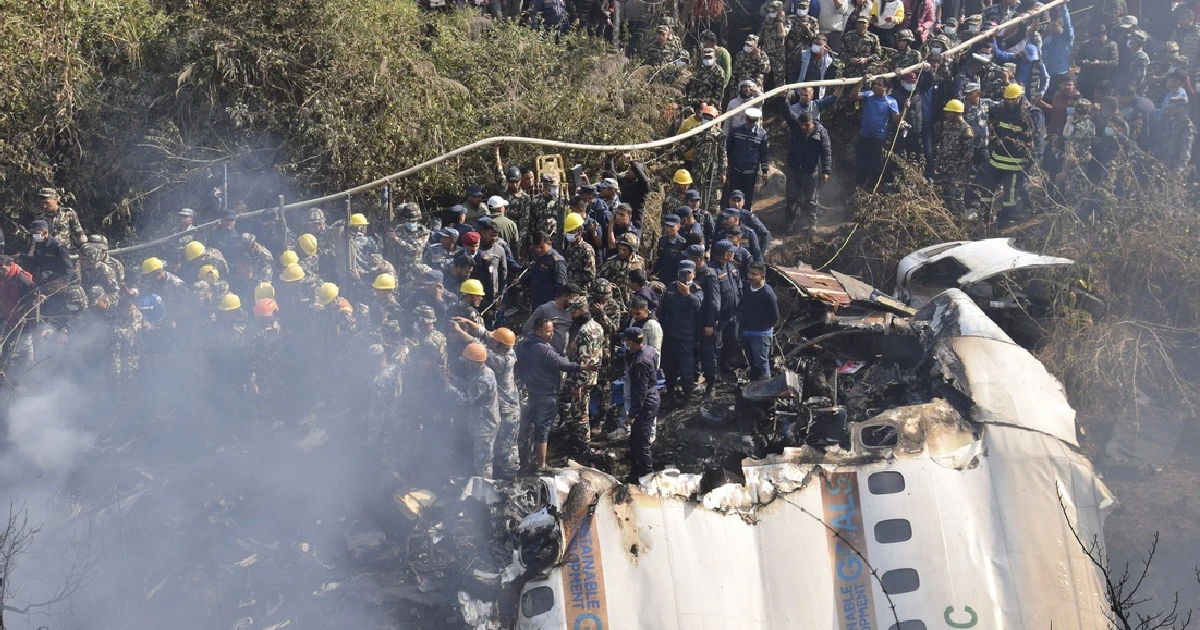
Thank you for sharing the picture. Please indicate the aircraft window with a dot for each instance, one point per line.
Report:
(893, 531)
(912, 624)
(879, 436)
(898, 581)
(886, 482)
(537, 601)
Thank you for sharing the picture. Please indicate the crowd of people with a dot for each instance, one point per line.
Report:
(419, 305)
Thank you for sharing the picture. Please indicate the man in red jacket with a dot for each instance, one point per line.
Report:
(16, 285)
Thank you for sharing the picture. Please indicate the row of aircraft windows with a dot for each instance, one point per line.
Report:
(895, 530)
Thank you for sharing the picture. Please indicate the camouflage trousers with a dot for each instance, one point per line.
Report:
(507, 452)
(954, 191)
(573, 413)
(484, 430)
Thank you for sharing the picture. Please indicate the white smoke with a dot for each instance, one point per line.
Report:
(43, 426)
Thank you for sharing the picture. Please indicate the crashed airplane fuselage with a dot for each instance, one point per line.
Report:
(946, 513)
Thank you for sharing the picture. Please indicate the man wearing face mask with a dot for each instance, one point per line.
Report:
(751, 63)
(545, 212)
(803, 28)
(708, 84)
(773, 40)
(48, 260)
(406, 242)
(816, 64)
(708, 158)
(911, 110)
(747, 151)
(585, 347)
(747, 89)
(579, 254)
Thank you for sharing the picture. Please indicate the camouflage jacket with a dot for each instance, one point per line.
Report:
(616, 271)
(802, 30)
(101, 274)
(707, 85)
(955, 148)
(856, 46)
(581, 262)
(190, 270)
(657, 55)
(772, 41)
(976, 117)
(909, 57)
(404, 246)
(586, 344)
(672, 201)
(502, 364)
(708, 159)
(1176, 148)
(753, 66)
(542, 213)
(518, 210)
(476, 393)
(64, 226)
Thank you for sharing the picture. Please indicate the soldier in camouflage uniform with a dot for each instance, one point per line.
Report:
(502, 361)
(663, 49)
(425, 332)
(772, 39)
(708, 84)
(586, 346)
(802, 30)
(860, 48)
(64, 222)
(607, 306)
(544, 211)
(616, 269)
(310, 258)
(196, 255)
(125, 345)
(95, 271)
(579, 254)
(263, 351)
(405, 244)
(751, 63)
(1078, 135)
(676, 194)
(476, 393)
(519, 201)
(956, 145)
(382, 437)
(905, 54)
(709, 158)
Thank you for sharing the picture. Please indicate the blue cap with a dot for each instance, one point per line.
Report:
(39, 225)
(482, 221)
(695, 251)
(737, 194)
(683, 212)
(474, 190)
(448, 233)
(722, 246)
(587, 189)
(692, 195)
(228, 214)
(731, 212)
(633, 332)
(433, 276)
(687, 265)
(671, 219)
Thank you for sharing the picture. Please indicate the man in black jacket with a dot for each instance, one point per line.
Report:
(643, 401)
(809, 163)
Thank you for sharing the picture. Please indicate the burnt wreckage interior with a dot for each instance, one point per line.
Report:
(444, 555)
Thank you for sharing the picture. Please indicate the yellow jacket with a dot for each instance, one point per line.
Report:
(879, 12)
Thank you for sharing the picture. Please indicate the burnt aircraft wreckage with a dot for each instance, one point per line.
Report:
(904, 469)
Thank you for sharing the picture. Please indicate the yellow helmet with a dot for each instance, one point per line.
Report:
(359, 218)
(288, 257)
(471, 287)
(308, 243)
(954, 105)
(208, 273)
(682, 176)
(263, 290)
(292, 273)
(572, 223)
(384, 282)
(1013, 90)
(230, 302)
(327, 293)
(193, 250)
(150, 265)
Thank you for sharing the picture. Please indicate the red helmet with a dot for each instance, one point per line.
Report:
(265, 307)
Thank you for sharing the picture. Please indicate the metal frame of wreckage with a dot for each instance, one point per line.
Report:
(346, 195)
(966, 518)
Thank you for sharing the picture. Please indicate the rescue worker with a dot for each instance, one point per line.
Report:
(751, 64)
(547, 272)
(502, 360)
(311, 260)
(1010, 144)
(585, 346)
(748, 154)
(860, 48)
(644, 401)
(709, 158)
(579, 255)
(539, 366)
(956, 145)
(617, 268)
(670, 249)
(476, 394)
(63, 222)
(707, 85)
(718, 318)
(405, 243)
(679, 313)
(681, 181)
(155, 279)
(196, 255)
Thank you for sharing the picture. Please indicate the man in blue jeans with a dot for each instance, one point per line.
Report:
(879, 109)
(759, 313)
(539, 367)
